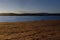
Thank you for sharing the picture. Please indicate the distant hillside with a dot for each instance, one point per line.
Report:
(30, 14)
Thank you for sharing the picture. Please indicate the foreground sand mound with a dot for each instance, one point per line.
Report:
(33, 30)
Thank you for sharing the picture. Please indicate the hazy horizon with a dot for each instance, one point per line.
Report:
(29, 6)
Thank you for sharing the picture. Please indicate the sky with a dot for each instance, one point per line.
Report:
(29, 6)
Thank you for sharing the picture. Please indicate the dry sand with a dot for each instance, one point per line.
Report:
(33, 30)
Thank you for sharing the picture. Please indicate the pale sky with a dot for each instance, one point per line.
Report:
(29, 6)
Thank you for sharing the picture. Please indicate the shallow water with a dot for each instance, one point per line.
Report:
(27, 18)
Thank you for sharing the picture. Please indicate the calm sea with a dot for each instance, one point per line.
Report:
(27, 18)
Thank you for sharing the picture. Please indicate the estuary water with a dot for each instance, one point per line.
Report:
(27, 18)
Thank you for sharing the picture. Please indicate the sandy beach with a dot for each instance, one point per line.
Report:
(30, 30)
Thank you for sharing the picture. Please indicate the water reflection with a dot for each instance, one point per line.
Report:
(27, 18)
